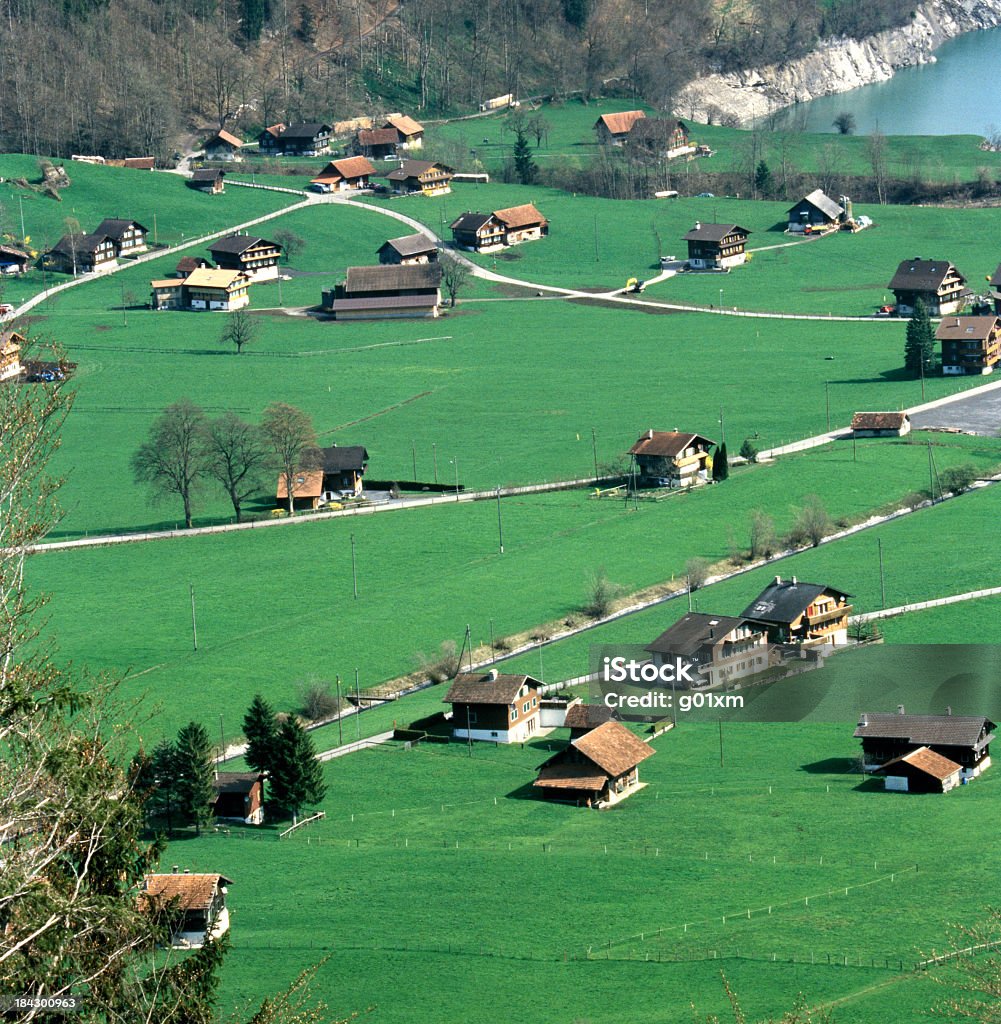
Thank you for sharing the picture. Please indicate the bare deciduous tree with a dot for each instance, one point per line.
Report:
(454, 275)
(236, 454)
(241, 329)
(292, 439)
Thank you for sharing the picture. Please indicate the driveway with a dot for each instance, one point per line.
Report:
(979, 414)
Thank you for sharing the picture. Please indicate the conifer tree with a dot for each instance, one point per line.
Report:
(721, 464)
(524, 166)
(194, 775)
(261, 730)
(296, 775)
(919, 348)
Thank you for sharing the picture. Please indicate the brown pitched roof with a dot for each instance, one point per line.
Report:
(224, 136)
(937, 730)
(207, 175)
(666, 443)
(613, 748)
(186, 264)
(694, 631)
(564, 775)
(193, 892)
(236, 782)
(925, 760)
(520, 216)
(405, 125)
(655, 129)
(470, 688)
(966, 328)
(587, 716)
(415, 168)
(387, 278)
(879, 420)
(378, 137)
(922, 275)
(714, 232)
(620, 123)
(350, 167)
(306, 484)
(425, 300)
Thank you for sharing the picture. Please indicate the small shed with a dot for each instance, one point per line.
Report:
(239, 797)
(881, 424)
(921, 771)
(208, 180)
(195, 905)
(416, 248)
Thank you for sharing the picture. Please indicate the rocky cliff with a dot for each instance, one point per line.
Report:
(836, 65)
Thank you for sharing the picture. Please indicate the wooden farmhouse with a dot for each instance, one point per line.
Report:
(970, 344)
(582, 718)
(210, 181)
(307, 489)
(716, 246)
(347, 175)
(921, 771)
(82, 254)
(808, 614)
(494, 707)
(377, 143)
(477, 232)
(881, 424)
(669, 458)
(522, 224)
(239, 797)
(255, 257)
(343, 468)
(196, 904)
(962, 739)
(597, 769)
(613, 129)
(307, 138)
(129, 236)
(410, 133)
(409, 249)
(204, 288)
(660, 137)
(13, 260)
(430, 179)
(11, 344)
(387, 292)
(721, 649)
(817, 212)
(939, 285)
(223, 146)
(267, 141)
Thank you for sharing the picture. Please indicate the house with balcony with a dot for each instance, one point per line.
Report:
(808, 614)
(128, 236)
(671, 458)
(425, 177)
(716, 246)
(721, 649)
(971, 345)
(494, 707)
(256, 258)
(937, 283)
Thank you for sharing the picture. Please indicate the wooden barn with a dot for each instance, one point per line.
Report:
(196, 905)
(614, 129)
(239, 797)
(409, 132)
(223, 146)
(387, 292)
(377, 143)
(582, 718)
(210, 181)
(13, 260)
(817, 211)
(921, 771)
(881, 424)
(964, 739)
(408, 249)
(348, 175)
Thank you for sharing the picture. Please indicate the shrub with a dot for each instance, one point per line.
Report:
(748, 451)
(441, 667)
(957, 478)
(764, 542)
(697, 572)
(601, 595)
(316, 699)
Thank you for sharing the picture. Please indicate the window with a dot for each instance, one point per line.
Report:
(514, 713)
(535, 701)
(525, 708)
(471, 717)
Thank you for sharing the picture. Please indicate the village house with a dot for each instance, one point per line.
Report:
(970, 344)
(477, 232)
(430, 179)
(409, 131)
(669, 458)
(11, 344)
(223, 146)
(204, 288)
(921, 771)
(308, 138)
(721, 649)
(307, 490)
(660, 137)
(582, 718)
(386, 292)
(196, 905)
(188, 263)
(881, 424)
(239, 797)
(82, 254)
(210, 181)
(267, 141)
(613, 129)
(597, 769)
(409, 249)
(808, 614)
(816, 212)
(13, 260)
(377, 143)
(347, 175)
(522, 224)
(129, 236)
(256, 257)
(343, 468)
(716, 246)
(494, 707)
(939, 285)
(963, 739)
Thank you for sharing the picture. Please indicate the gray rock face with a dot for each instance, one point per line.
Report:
(837, 65)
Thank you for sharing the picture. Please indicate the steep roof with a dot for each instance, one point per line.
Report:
(666, 443)
(922, 275)
(587, 716)
(210, 277)
(192, 892)
(470, 221)
(655, 129)
(935, 730)
(405, 125)
(694, 631)
(304, 130)
(784, 601)
(207, 175)
(613, 748)
(392, 278)
(410, 245)
(338, 458)
(307, 483)
(520, 216)
(879, 420)
(14, 252)
(224, 136)
(80, 243)
(966, 328)
(186, 264)
(924, 760)
(474, 688)
(621, 122)
(237, 244)
(115, 228)
(378, 137)
(713, 232)
(414, 169)
(822, 202)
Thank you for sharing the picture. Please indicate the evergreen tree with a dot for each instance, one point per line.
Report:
(251, 19)
(163, 799)
(307, 25)
(919, 348)
(763, 179)
(721, 464)
(261, 730)
(524, 166)
(296, 775)
(194, 775)
(748, 451)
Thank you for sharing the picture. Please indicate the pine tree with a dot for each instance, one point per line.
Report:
(163, 799)
(763, 179)
(251, 19)
(919, 348)
(195, 790)
(721, 464)
(748, 451)
(296, 775)
(524, 165)
(261, 731)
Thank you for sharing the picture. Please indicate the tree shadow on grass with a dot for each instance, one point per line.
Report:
(896, 375)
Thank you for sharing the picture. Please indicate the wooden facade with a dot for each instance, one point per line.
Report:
(211, 181)
(937, 283)
(204, 288)
(381, 292)
(307, 138)
(716, 246)
(82, 254)
(614, 129)
(11, 344)
(348, 175)
(430, 179)
(921, 771)
(881, 424)
(970, 344)
(493, 707)
(408, 249)
(671, 459)
(128, 236)
(963, 739)
(223, 146)
(817, 212)
(239, 797)
(410, 132)
(197, 904)
(256, 257)
(808, 614)
(721, 649)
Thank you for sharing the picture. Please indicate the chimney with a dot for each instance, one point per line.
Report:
(649, 435)
(187, 871)
(698, 224)
(491, 675)
(793, 581)
(173, 870)
(900, 709)
(864, 720)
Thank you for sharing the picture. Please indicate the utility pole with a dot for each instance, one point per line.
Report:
(931, 474)
(455, 462)
(688, 582)
(413, 453)
(194, 625)
(340, 719)
(354, 566)
(594, 452)
(921, 363)
(469, 734)
(357, 705)
(434, 456)
(882, 582)
(469, 647)
(500, 525)
(722, 427)
(827, 400)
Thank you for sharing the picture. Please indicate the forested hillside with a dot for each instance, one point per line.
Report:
(131, 77)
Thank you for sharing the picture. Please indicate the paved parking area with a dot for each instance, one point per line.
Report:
(980, 414)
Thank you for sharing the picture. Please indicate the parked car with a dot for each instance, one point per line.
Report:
(6, 309)
(705, 195)
(886, 311)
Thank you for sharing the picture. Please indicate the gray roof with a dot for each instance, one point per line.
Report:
(693, 632)
(424, 299)
(426, 276)
(714, 232)
(410, 245)
(114, 228)
(784, 601)
(933, 730)
(655, 129)
(922, 275)
(470, 221)
(304, 130)
(239, 243)
(235, 782)
(81, 243)
(207, 175)
(338, 458)
(470, 688)
(822, 202)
